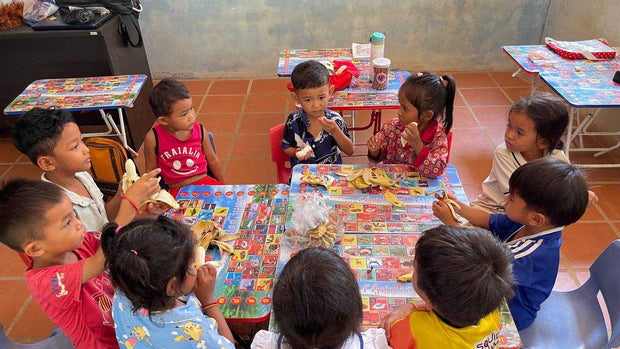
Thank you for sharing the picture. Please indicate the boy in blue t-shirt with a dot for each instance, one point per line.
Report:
(314, 134)
(545, 196)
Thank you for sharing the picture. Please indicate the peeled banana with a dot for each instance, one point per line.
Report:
(131, 176)
(442, 194)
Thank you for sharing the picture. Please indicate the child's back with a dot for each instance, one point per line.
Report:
(317, 304)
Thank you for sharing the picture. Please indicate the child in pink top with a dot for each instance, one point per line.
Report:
(415, 137)
(178, 144)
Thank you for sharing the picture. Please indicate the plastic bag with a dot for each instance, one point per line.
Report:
(38, 10)
(313, 223)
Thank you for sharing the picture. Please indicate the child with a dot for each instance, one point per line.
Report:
(462, 275)
(178, 144)
(545, 195)
(535, 125)
(314, 125)
(66, 277)
(317, 304)
(148, 309)
(423, 99)
(53, 142)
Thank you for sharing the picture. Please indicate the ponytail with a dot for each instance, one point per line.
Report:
(450, 85)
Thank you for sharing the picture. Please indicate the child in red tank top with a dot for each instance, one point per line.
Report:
(177, 144)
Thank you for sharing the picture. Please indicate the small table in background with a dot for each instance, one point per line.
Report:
(81, 94)
(359, 95)
(380, 238)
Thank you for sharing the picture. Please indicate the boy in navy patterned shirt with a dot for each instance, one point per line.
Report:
(314, 134)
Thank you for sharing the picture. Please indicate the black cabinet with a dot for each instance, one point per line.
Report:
(27, 55)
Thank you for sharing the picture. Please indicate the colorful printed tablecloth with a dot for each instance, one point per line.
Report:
(584, 89)
(79, 94)
(380, 238)
(519, 54)
(244, 283)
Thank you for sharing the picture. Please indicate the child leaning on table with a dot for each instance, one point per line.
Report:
(462, 275)
(162, 298)
(66, 277)
(415, 137)
(545, 196)
(53, 142)
(533, 131)
(178, 144)
(317, 304)
(314, 127)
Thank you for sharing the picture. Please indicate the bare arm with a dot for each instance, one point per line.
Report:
(213, 161)
(150, 158)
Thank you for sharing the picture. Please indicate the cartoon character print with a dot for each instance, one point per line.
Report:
(191, 331)
(139, 333)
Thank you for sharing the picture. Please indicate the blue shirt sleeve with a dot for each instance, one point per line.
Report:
(502, 226)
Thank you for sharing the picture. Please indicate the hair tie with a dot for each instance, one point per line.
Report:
(118, 229)
(134, 252)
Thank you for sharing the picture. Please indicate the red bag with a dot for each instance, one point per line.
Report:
(587, 49)
(340, 76)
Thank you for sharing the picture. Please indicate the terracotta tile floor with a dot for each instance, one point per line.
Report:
(240, 112)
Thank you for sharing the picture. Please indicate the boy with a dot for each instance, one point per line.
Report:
(66, 277)
(53, 142)
(314, 126)
(178, 144)
(544, 196)
(462, 275)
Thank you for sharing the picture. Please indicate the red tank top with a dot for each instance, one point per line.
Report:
(180, 160)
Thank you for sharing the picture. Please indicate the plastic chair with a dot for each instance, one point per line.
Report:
(449, 147)
(57, 340)
(574, 319)
(277, 154)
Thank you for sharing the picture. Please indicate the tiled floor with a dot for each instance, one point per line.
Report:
(240, 113)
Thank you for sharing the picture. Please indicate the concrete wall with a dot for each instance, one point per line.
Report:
(233, 38)
(580, 20)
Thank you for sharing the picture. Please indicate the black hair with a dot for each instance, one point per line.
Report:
(38, 131)
(309, 74)
(428, 92)
(552, 187)
(316, 300)
(549, 115)
(165, 94)
(466, 273)
(164, 249)
(23, 206)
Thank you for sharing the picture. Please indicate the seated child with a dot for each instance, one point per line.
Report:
(462, 275)
(317, 304)
(314, 125)
(535, 125)
(415, 136)
(152, 265)
(545, 195)
(53, 142)
(178, 144)
(66, 277)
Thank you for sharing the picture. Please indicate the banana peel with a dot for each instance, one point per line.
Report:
(392, 199)
(131, 176)
(405, 277)
(369, 177)
(313, 179)
(442, 194)
(209, 233)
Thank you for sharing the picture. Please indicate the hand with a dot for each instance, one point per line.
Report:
(374, 145)
(329, 125)
(592, 198)
(411, 134)
(205, 283)
(144, 187)
(442, 211)
(153, 209)
(307, 156)
(394, 315)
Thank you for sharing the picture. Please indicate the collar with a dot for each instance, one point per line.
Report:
(531, 237)
(429, 133)
(75, 198)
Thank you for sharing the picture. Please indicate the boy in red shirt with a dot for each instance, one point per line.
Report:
(66, 277)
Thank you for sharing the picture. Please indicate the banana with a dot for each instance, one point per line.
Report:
(131, 176)
(442, 195)
(200, 255)
(393, 199)
(209, 233)
(405, 277)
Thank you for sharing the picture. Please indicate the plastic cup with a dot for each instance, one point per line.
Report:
(381, 68)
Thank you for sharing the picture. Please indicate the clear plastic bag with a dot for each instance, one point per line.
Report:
(38, 10)
(313, 223)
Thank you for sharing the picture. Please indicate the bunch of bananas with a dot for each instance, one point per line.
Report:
(209, 233)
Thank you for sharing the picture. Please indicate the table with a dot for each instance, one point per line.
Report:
(381, 238)
(359, 95)
(244, 283)
(83, 94)
(49, 54)
(583, 84)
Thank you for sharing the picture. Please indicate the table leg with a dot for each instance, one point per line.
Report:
(580, 130)
(113, 130)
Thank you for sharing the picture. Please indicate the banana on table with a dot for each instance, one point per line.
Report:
(368, 177)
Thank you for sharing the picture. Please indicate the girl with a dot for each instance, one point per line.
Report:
(317, 304)
(535, 125)
(151, 263)
(425, 99)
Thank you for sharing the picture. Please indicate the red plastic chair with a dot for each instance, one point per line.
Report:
(449, 146)
(283, 166)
